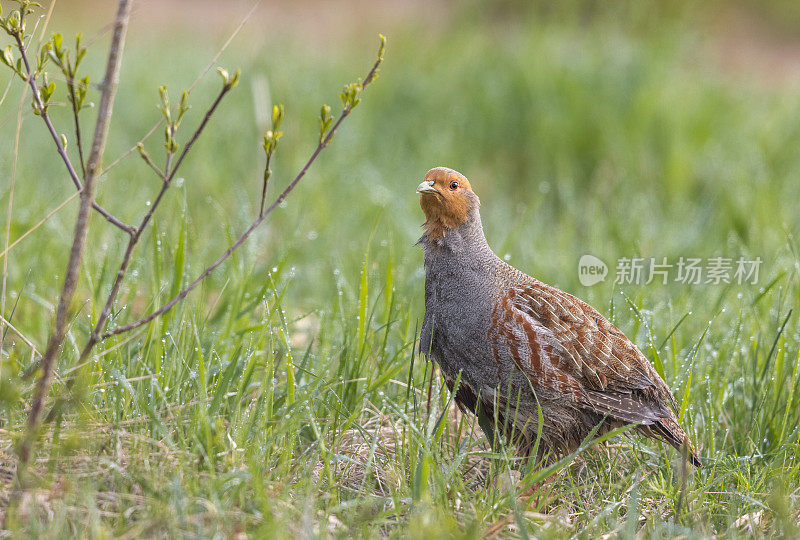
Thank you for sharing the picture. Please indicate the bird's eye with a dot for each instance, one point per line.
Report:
(454, 185)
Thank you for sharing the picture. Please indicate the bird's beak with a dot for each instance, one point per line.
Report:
(426, 187)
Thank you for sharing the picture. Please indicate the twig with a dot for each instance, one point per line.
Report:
(42, 389)
(225, 89)
(75, 116)
(246, 234)
(146, 157)
(167, 164)
(60, 147)
(267, 174)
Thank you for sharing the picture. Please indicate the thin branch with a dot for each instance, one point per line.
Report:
(253, 226)
(265, 182)
(42, 389)
(59, 147)
(225, 89)
(76, 118)
(147, 159)
(167, 165)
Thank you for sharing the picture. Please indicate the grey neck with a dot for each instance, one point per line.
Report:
(466, 238)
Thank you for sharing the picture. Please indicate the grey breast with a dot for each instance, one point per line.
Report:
(458, 300)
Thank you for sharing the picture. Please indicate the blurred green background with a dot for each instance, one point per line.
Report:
(618, 129)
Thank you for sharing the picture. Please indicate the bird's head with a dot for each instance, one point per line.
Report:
(446, 199)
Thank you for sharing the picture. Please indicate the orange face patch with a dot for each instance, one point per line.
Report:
(448, 206)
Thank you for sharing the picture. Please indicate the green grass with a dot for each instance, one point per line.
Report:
(284, 397)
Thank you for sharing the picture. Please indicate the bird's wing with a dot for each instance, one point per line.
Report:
(572, 349)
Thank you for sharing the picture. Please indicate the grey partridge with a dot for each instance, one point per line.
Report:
(510, 345)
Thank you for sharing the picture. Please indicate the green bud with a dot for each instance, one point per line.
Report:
(81, 54)
(8, 57)
(44, 55)
(382, 48)
(164, 107)
(235, 79)
(162, 91)
(277, 116)
(224, 74)
(325, 119)
(182, 107)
